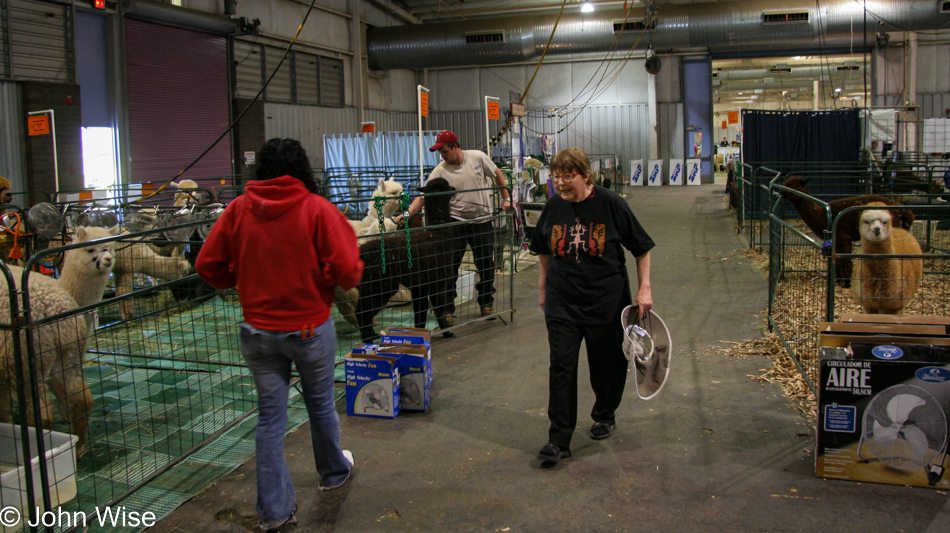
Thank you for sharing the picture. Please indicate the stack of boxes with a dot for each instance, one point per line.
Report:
(884, 400)
(391, 376)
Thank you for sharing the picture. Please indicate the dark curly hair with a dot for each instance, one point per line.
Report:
(285, 157)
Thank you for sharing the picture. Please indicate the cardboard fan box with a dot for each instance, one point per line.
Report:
(884, 400)
(372, 385)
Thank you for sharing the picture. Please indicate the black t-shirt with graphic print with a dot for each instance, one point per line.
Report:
(587, 279)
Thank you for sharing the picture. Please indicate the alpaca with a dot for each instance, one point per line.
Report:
(886, 285)
(86, 270)
(138, 257)
(187, 193)
(58, 346)
(847, 229)
(390, 189)
(429, 277)
(346, 300)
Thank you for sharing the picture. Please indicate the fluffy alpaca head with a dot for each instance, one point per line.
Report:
(98, 258)
(188, 193)
(437, 201)
(6, 192)
(390, 189)
(876, 223)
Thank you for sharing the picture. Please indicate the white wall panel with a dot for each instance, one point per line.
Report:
(552, 86)
(452, 90)
(500, 81)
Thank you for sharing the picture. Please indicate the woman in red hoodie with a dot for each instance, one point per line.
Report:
(285, 248)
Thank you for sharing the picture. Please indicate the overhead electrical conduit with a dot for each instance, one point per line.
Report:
(782, 27)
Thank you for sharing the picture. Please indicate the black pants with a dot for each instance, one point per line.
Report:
(608, 374)
(481, 237)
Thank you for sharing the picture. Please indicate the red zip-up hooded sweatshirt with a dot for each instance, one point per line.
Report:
(285, 249)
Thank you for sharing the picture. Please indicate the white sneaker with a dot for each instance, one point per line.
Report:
(349, 458)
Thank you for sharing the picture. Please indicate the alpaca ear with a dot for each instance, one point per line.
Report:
(114, 230)
(80, 233)
(805, 181)
(382, 184)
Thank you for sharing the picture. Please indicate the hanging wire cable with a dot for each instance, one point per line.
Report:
(239, 117)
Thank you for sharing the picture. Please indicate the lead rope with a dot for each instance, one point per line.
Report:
(378, 203)
(404, 206)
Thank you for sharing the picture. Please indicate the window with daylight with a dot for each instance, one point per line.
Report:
(303, 78)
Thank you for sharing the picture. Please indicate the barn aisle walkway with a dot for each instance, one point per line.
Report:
(717, 451)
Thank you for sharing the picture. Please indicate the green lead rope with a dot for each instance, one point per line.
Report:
(404, 206)
(378, 203)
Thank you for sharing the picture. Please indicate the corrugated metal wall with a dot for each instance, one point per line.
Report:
(603, 130)
(308, 124)
(12, 133)
(40, 41)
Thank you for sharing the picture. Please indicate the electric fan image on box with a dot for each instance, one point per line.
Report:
(374, 397)
(409, 391)
(905, 427)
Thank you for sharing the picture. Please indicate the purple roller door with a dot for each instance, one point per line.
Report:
(178, 101)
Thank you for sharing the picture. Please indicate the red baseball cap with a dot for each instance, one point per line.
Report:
(442, 139)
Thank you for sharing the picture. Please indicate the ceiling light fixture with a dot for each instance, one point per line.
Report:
(587, 7)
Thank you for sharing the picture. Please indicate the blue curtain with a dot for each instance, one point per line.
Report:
(792, 136)
(378, 150)
(792, 142)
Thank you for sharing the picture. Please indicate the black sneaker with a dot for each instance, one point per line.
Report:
(601, 430)
(552, 453)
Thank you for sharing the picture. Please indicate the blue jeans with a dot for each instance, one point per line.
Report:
(269, 354)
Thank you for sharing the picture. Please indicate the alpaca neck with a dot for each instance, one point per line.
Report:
(85, 286)
(884, 247)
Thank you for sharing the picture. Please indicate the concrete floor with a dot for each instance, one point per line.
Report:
(717, 451)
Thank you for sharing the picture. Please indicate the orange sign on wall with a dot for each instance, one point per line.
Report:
(493, 112)
(733, 117)
(38, 125)
(369, 127)
(424, 103)
(724, 125)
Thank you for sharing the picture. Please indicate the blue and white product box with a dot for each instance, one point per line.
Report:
(406, 336)
(655, 172)
(693, 172)
(415, 374)
(636, 172)
(677, 173)
(372, 385)
(883, 421)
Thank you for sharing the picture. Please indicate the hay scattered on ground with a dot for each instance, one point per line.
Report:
(783, 370)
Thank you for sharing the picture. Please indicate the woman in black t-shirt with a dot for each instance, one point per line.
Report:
(580, 238)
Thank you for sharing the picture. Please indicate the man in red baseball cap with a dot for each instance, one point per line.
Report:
(443, 138)
(471, 173)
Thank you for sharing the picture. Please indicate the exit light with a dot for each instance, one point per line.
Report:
(99, 4)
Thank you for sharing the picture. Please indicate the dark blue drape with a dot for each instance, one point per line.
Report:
(798, 136)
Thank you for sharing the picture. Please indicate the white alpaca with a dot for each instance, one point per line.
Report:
(86, 270)
(58, 346)
(886, 285)
(187, 192)
(138, 257)
(390, 189)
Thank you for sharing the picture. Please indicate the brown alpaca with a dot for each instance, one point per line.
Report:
(886, 285)
(847, 230)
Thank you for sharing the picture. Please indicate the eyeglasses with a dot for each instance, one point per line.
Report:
(564, 177)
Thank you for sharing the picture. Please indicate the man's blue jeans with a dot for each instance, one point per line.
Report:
(269, 354)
